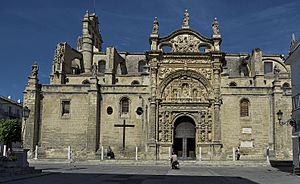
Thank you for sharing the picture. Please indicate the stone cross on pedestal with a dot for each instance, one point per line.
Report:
(124, 125)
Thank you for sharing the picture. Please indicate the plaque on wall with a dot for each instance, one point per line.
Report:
(246, 144)
(246, 130)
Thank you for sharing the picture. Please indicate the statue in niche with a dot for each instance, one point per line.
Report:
(186, 19)
(167, 94)
(195, 93)
(185, 90)
(175, 93)
(155, 26)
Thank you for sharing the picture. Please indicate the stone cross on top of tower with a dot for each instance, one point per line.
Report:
(186, 19)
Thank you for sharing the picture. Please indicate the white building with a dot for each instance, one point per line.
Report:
(294, 60)
(10, 109)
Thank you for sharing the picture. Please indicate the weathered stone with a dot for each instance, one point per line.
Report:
(194, 91)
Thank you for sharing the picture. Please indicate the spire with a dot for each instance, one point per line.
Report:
(293, 39)
(186, 19)
(215, 28)
(155, 26)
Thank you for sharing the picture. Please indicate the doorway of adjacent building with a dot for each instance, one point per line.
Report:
(184, 138)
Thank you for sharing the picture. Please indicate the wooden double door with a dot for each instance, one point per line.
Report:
(184, 139)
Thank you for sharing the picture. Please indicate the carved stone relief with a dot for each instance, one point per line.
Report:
(185, 89)
(204, 127)
(206, 72)
(185, 60)
(185, 43)
(165, 127)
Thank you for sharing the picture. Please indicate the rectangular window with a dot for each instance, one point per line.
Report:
(244, 108)
(65, 104)
(9, 111)
(268, 67)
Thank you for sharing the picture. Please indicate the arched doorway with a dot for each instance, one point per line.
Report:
(184, 138)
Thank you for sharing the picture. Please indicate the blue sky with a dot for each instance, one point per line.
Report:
(31, 29)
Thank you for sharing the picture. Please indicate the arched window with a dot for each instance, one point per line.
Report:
(285, 85)
(101, 66)
(268, 67)
(244, 108)
(124, 105)
(142, 63)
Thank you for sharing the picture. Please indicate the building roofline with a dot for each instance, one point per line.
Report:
(10, 101)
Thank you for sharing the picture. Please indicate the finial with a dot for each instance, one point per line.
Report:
(293, 39)
(215, 27)
(186, 18)
(34, 70)
(155, 26)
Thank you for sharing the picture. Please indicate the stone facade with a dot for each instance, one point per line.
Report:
(184, 94)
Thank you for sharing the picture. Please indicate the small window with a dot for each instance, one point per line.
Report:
(109, 110)
(135, 82)
(232, 84)
(285, 85)
(141, 65)
(101, 66)
(86, 82)
(244, 108)
(124, 105)
(65, 107)
(268, 67)
(139, 111)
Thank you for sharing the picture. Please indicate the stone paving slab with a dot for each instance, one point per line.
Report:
(158, 163)
(94, 174)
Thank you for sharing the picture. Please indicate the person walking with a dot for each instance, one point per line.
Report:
(238, 153)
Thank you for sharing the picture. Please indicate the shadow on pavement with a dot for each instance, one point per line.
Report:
(74, 178)
(283, 165)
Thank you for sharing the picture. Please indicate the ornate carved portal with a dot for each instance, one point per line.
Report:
(186, 100)
(202, 120)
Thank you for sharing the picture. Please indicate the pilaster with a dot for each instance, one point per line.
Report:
(93, 123)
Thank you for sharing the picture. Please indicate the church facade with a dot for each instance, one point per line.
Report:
(184, 95)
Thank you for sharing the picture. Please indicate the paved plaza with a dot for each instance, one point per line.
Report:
(64, 173)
